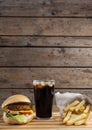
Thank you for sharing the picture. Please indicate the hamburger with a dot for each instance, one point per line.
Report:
(17, 110)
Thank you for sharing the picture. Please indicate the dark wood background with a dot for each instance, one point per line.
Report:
(42, 39)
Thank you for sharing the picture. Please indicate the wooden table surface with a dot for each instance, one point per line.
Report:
(51, 124)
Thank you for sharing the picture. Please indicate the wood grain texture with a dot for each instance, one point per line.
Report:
(55, 127)
(52, 124)
(48, 127)
(46, 26)
(5, 93)
(44, 8)
(64, 77)
(46, 57)
(45, 39)
(28, 41)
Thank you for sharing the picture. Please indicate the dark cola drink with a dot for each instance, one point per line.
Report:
(43, 95)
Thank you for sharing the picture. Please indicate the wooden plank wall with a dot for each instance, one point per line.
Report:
(42, 39)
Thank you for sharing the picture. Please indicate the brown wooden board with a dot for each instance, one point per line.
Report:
(64, 77)
(48, 124)
(46, 57)
(45, 41)
(43, 8)
(46, 26)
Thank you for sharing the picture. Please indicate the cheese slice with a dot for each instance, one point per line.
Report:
(21, 111)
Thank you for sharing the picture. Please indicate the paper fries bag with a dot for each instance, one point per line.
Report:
(63, 99)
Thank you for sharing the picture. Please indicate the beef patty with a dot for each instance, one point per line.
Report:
(19, 106)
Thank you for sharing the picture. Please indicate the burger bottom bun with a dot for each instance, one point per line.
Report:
(10, 120)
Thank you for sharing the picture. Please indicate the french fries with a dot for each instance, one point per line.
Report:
(80, 105)
(87, 109)
(76, 113)
(71, 105)
(64, 114)
(75, 119)
(82, 108)
(67, 117)
(80, 122)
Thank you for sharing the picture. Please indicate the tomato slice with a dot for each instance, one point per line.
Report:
(27, 112)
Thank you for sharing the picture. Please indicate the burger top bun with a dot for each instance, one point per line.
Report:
(14, 99)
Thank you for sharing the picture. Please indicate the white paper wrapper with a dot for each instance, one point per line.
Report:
(62, 99)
